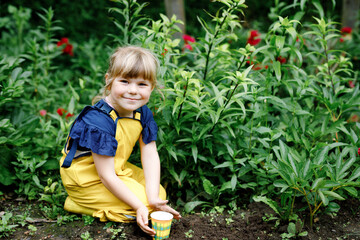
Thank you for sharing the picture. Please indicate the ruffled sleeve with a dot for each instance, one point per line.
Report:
(95, 131)
(150, 128)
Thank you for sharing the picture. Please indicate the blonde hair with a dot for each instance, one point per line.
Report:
(130, 62)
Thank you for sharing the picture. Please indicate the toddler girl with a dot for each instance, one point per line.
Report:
(94, 168)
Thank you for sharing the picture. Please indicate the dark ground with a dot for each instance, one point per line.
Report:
(249, 223)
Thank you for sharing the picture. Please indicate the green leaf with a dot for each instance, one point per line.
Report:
(353, 192)
(225, 185)
(293, 165)
(15, 73)
(71, 107)
(318, 183)
(333, 194)
(291, 228)
(194, 151)
(281, 184)
(319, 8)
(233, 182)
(337, 144)
(324, 199)
(299, 55)
(320, 157)
(269, 202)
(333, 207)
(3, 140)
(189, 206)
(283, 150)
(279, 41)
(355, 174)
(208, 187)
(37, 181)
(292, 32)
(263, 130)
(263, 142)
(277, 69)
(302, 4)
(346, 166)
(224, 164)
(354, 136)
(306, 168)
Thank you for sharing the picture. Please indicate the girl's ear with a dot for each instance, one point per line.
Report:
(107, 82)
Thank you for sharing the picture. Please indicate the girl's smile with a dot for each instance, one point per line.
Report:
(127, 95)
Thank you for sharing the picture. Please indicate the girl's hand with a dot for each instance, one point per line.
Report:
(143, 221)
(161, 205)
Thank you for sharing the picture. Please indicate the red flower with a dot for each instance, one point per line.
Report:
(61, 111)
(164, 53)
(258, 66)
(346, 30)
(359, 151)
(281, 59)
(354, 118)
(68, 49)
(351, 84)
(251, 40)
(69, 115)
(188, 38)
(42, 112)
(188, 46)
(298, 39)
(63, 41)
(345, 33)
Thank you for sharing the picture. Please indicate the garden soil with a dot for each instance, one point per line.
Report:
(250, 222)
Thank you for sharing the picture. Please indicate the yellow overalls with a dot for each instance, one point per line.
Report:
(88, 195)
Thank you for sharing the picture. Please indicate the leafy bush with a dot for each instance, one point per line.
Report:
(240, 113)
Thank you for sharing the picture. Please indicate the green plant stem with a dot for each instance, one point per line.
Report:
(303, 191)
(225, 105)
(292, 204)
(128, 22)
(184, 96)
(238, 69)
(218, 28)
(227, 95)
(48, 28)
(251, 133)
(328, 67)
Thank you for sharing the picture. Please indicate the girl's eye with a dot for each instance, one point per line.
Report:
(123, 81)
(142, 84)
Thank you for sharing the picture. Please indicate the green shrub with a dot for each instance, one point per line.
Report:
(238, 116)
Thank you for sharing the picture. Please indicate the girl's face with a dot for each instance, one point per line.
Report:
(127, 95)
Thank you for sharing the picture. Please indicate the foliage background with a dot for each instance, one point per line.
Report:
(274, 121)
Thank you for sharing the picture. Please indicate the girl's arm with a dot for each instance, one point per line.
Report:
(151, 165)
(106, 170)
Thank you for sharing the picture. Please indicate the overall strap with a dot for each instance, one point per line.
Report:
(102, 106)
(106, 109)
(70, 156)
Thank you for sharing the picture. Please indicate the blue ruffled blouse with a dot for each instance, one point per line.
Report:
(95, 130)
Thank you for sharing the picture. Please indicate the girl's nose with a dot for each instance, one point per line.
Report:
(132, 89)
